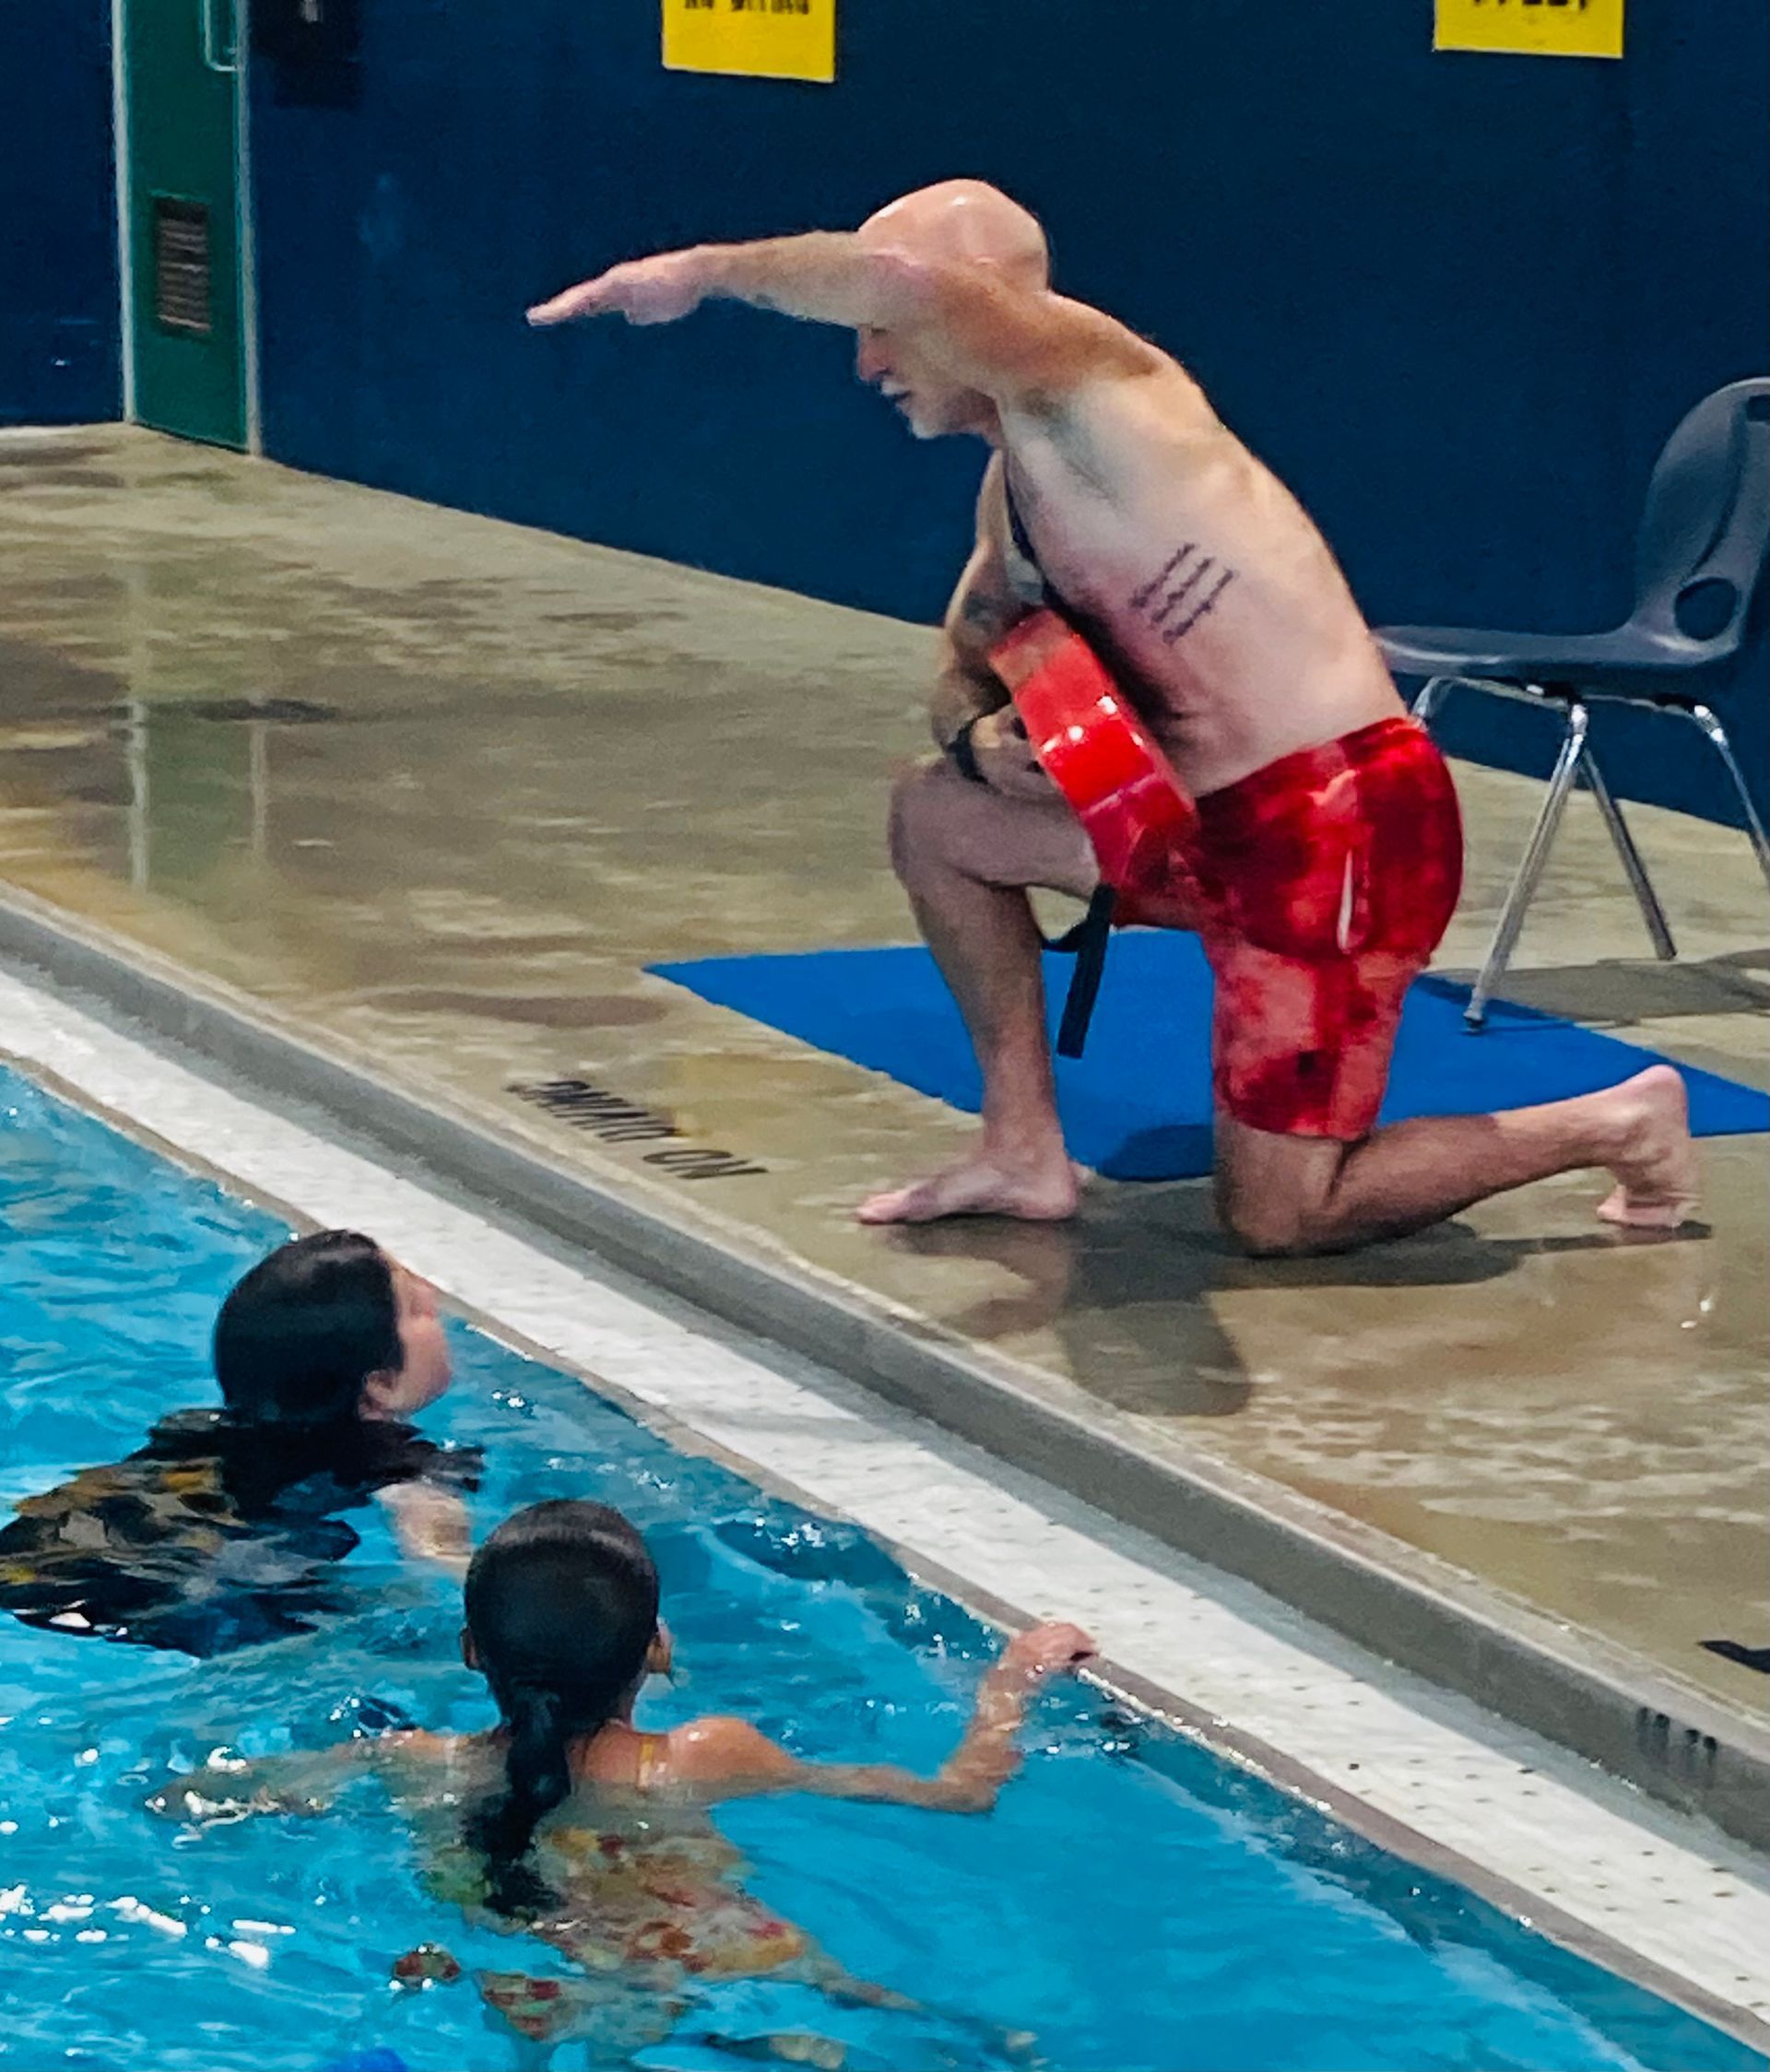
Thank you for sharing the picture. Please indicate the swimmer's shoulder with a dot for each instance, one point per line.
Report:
(711, 1758)
(719, 1755)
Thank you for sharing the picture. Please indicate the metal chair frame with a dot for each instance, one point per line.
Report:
(1577, 763)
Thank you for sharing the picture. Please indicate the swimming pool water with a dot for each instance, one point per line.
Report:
(1133, 1903)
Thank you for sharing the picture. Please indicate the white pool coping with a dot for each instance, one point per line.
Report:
(1660, 1898)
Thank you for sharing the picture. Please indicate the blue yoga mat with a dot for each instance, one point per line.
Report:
(1137, 1105)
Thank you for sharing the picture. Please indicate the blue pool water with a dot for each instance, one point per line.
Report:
(1132, 1903)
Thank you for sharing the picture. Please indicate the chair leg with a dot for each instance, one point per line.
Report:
(1645, 898)
(1701, 716)
(1529, 870)
(1426, 703)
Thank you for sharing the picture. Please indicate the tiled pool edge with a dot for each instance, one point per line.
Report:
(1674, 1743)
(145, 1085)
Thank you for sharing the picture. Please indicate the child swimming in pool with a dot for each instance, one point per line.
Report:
(220, 1532)
(568, 1822)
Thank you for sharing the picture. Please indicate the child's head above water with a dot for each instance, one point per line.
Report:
(329, 1329)
(561, 1604)
(323, 1352)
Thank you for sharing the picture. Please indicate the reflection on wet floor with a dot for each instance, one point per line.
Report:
(443, 788)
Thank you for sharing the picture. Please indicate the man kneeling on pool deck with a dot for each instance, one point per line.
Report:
(1325, 856)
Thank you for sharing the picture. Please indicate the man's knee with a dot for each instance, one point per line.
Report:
(1267, 1230)
(1277, 1215)
(943, 827)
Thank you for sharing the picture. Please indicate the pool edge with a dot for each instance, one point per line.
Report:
(1676, 1743)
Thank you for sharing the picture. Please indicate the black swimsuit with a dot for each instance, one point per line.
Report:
(215, 1536)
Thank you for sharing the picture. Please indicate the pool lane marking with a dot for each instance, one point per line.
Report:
(1686, 1900)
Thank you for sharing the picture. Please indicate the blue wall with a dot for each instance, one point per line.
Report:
(1457, 301)
(59, 355)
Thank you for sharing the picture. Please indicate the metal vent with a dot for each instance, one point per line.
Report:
(182, 265)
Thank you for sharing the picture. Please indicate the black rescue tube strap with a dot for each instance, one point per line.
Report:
(1087, 943)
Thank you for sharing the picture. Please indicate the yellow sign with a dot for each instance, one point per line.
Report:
(1534, 28)
(766, 39)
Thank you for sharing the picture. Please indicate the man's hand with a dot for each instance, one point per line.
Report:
(656, 290)
(1005, 757)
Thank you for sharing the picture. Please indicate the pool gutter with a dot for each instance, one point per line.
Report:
(1610, 1706)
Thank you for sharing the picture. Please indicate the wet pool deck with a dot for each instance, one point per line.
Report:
(436, 790)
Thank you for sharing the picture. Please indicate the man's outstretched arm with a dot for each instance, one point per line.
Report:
(826, 276)
(1002, 338)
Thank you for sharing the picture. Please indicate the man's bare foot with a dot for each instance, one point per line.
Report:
(1040, 1190)
(1658, 1182)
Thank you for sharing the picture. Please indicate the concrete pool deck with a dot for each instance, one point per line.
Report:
(406, 789)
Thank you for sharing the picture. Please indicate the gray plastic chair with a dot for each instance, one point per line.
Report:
(1700, 559)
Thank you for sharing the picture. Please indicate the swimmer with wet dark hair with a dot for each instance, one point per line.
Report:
(219, 1533)
(568, 1821)
(562, 1622)
(329, 1330)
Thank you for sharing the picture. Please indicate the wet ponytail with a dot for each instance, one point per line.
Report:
(537, 1777)
(562, 1606)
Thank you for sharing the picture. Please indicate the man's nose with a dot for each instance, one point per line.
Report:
(869, 361)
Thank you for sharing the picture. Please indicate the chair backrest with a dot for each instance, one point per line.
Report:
(1700, 552)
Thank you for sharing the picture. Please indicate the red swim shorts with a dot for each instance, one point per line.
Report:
(1320, 885)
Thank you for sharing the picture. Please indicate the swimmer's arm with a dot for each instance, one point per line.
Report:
(430, 1524)
(229, 1788)
(729, 1759)
(1013, 343)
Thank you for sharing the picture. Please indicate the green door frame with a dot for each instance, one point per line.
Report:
(184, 225)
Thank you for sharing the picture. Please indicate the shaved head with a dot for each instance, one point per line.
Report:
(964, 221)
(954, 223)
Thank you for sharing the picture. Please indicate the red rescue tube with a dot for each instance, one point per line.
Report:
(1139, 817)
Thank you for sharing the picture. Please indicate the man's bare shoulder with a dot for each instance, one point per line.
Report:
(1112, 432)
(1085, 347)
(1162, 402)
(1017, 344)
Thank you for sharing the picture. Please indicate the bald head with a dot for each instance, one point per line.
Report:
(964, 221)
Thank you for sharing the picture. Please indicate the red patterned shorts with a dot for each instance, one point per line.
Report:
(1320, 885)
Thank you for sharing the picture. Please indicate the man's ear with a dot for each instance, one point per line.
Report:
(469, 1653)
